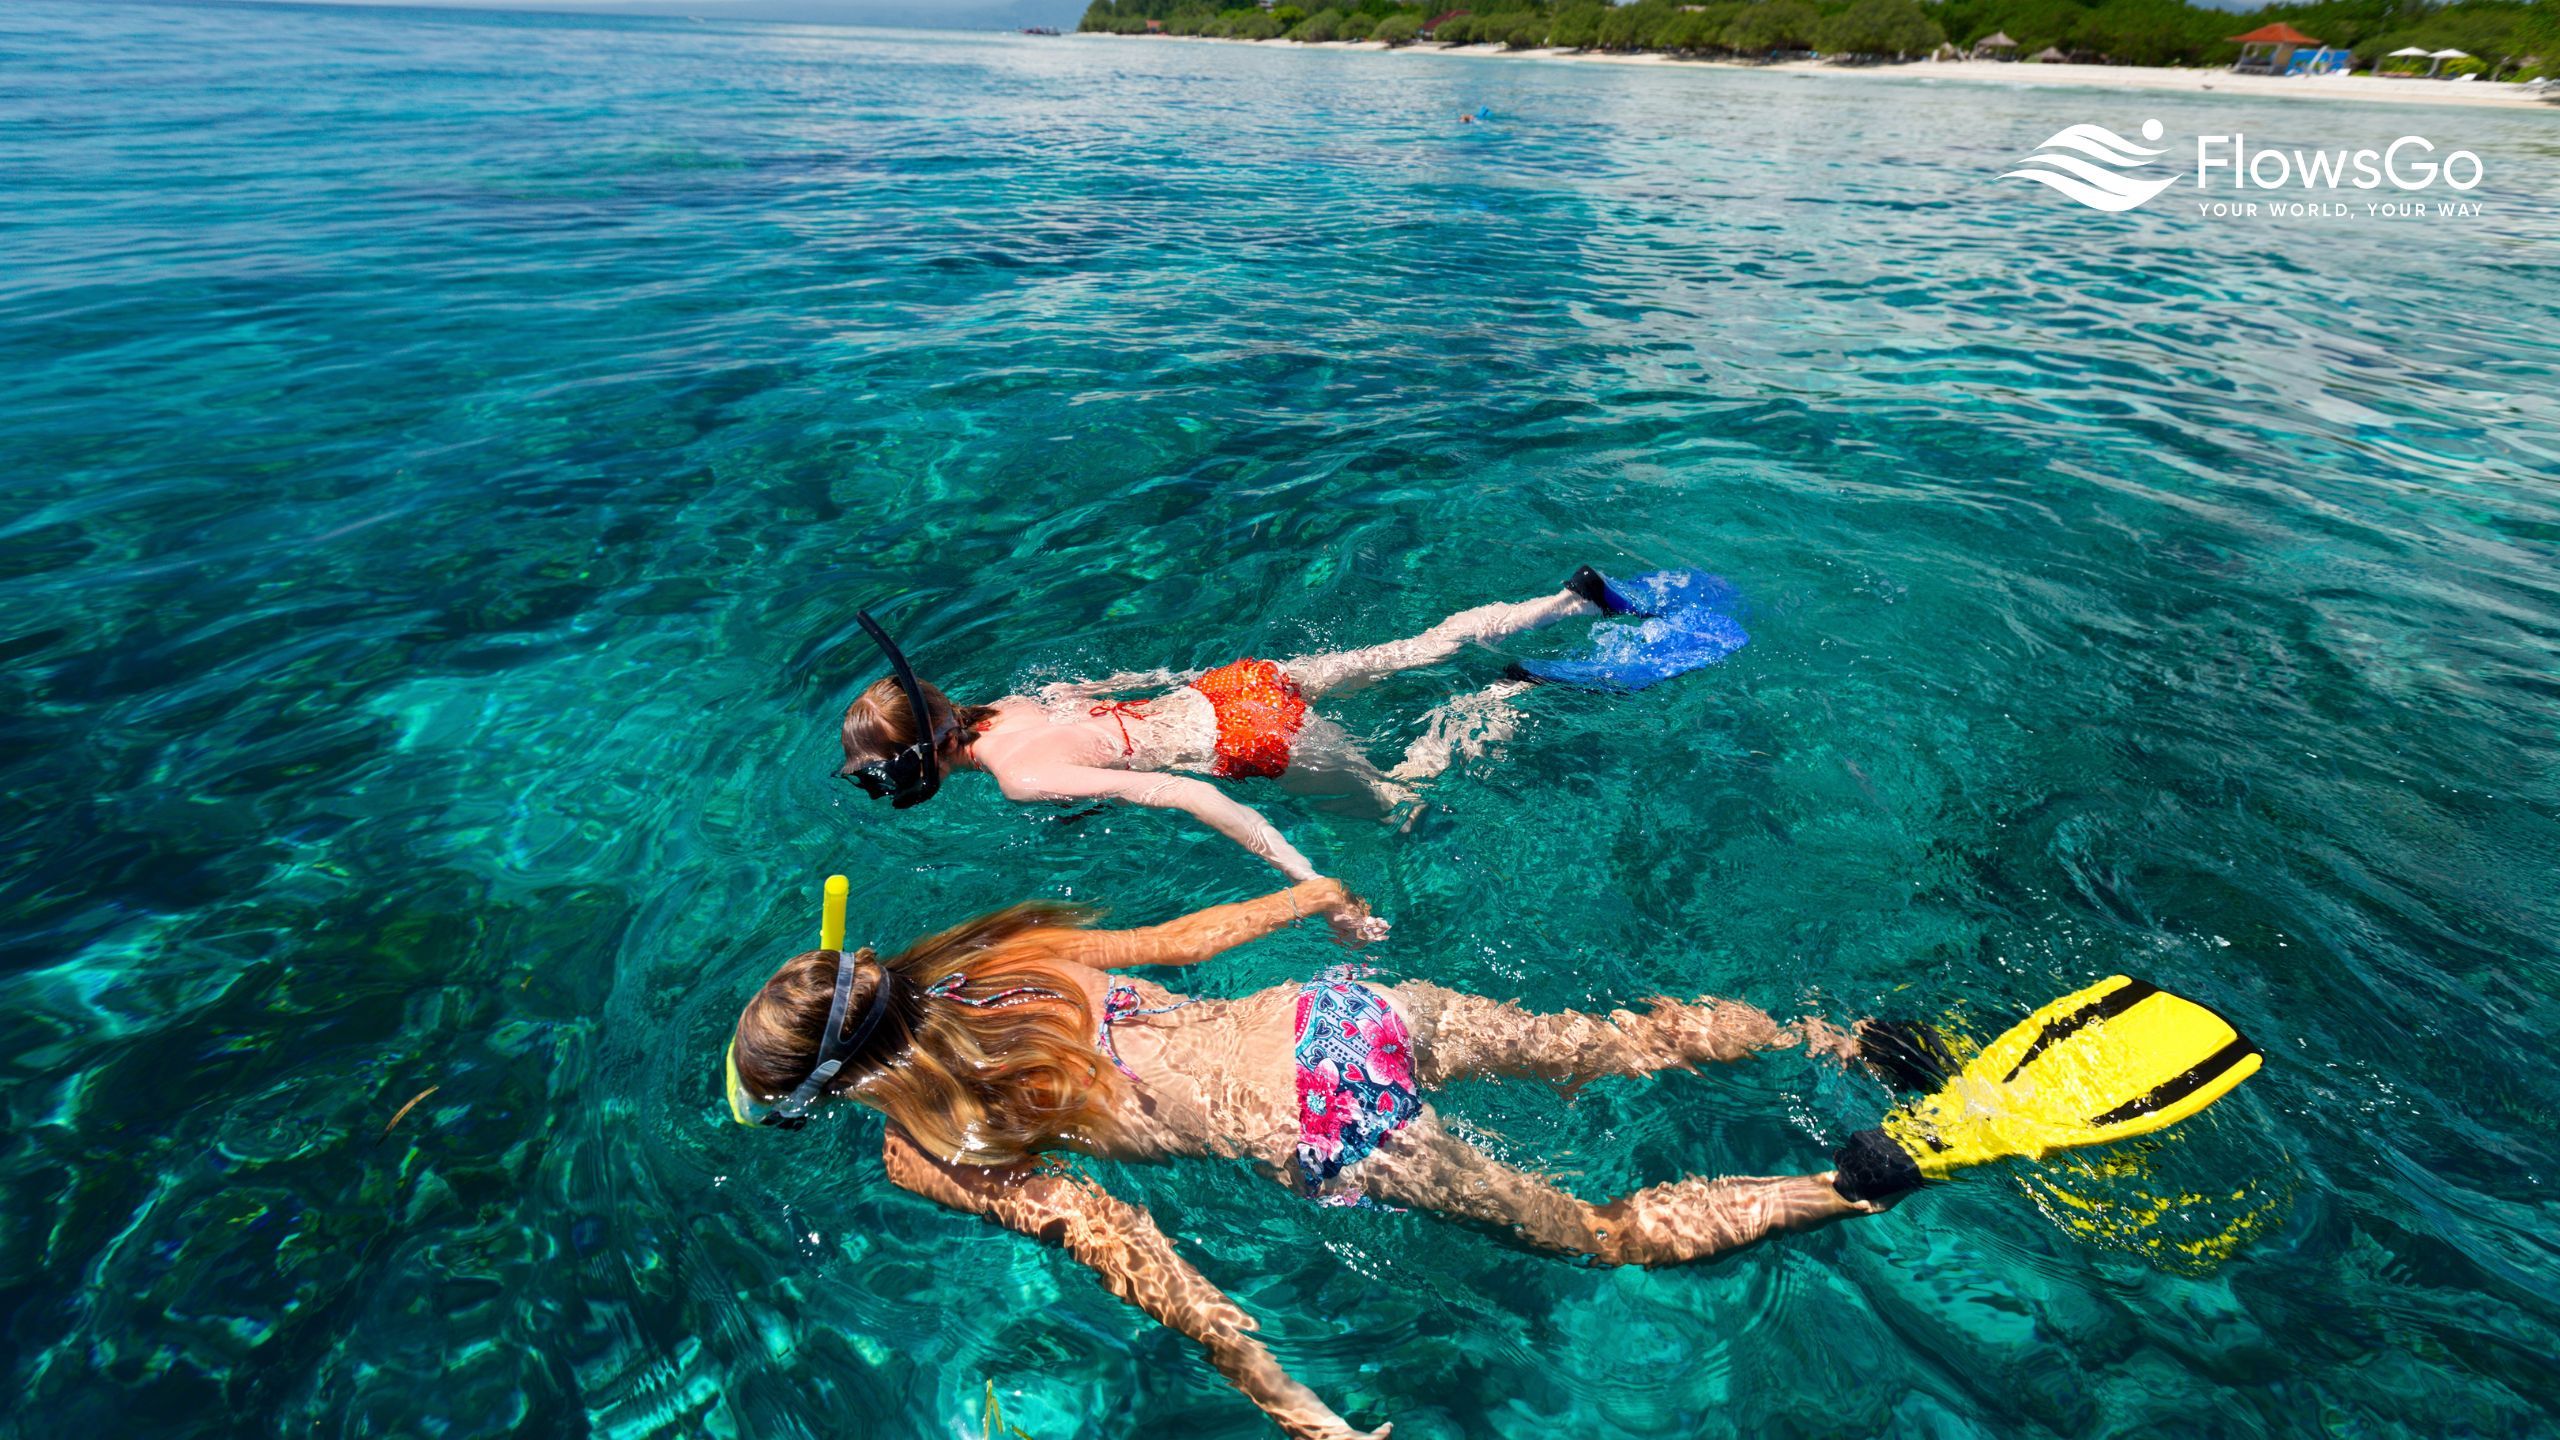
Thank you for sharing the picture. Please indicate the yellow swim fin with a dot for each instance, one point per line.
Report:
(2119, 1059)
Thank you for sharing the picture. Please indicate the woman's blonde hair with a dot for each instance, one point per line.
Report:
(984, 1084)
(880, 722)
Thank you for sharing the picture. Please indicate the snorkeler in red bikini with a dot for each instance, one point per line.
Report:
(1250, 718)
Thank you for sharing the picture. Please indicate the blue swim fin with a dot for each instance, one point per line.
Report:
(1688, 624)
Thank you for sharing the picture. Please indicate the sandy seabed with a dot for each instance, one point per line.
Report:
(1986, 72)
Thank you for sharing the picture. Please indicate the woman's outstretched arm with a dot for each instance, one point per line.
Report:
(1204, 933)
(1197, 798)
(1135, 1261)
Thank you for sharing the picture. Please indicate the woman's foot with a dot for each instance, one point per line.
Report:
(1821, 1037)
(1594, 587)
(1874, 1171)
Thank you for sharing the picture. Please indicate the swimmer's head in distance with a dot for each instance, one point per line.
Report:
(910, 775)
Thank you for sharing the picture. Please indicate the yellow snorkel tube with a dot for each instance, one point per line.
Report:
(831, 913)
(830, 937)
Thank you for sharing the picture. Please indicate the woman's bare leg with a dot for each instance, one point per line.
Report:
(1463, 726)
(1456, 1036)
(1426, 1167)
(1350, 669)
(1324, 761)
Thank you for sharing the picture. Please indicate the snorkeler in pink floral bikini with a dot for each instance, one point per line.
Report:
(1249, 719)
(1002, 1039)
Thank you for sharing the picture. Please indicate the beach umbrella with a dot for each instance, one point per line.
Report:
(2411, 52)
(2442, 56)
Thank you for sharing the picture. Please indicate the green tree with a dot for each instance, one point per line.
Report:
(1880, 27)
(1287, 17)
(1636, 27)
(1525, 32)
(2149, 32)
(1772, 25)
(2035, 24)
(1396, 30)
(2538, 37)
(1317, 28)
(1686, 31)
(1577, 27)
(1702, 29)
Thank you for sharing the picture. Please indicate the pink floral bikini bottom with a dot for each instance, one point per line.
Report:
(1355, 1077)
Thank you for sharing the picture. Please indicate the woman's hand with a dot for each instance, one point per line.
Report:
(1353, 923)
(1356, 928)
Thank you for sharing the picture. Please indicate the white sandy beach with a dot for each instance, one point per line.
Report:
(1985, 72)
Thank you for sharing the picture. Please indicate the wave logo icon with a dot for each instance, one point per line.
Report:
(2092, 164)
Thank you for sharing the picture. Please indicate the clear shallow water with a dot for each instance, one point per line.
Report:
(443, 454)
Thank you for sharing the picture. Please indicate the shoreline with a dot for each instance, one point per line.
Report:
(2014, 74)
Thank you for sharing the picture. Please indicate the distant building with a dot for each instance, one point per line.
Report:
(1437, 21)
(2268, 50)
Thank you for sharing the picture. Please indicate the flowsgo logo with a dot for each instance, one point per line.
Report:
(2103, 170)
(2064, 167)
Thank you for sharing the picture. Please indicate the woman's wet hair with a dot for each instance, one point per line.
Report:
(880, 722)
(983, 1085)
(778, 1033)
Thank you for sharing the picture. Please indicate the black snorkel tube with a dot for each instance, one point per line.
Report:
(912, 775)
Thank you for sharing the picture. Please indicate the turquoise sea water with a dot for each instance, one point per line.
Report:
(443, 454)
